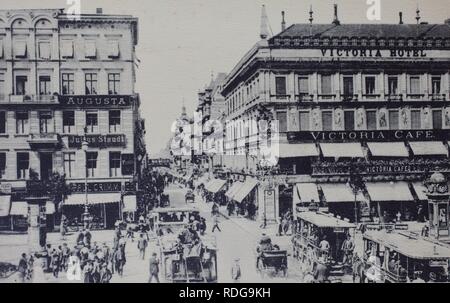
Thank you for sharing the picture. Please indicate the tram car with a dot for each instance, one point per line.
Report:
(400, 257)
(308, 248)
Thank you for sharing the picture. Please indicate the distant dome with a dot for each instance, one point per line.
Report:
(438, 178)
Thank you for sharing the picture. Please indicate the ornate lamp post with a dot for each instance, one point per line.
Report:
(356, 184)
(438, 205)
(86, 218)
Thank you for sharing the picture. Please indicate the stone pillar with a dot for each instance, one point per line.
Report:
(438, 206)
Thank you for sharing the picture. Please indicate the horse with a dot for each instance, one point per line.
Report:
(358, 268)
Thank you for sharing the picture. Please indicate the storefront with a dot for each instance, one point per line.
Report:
(305, 197)
(215, 188)
(389, 198)
(342, 201)
(105, 208)
(246, 197)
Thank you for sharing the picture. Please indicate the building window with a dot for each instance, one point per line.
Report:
(370, 85)
(414, 85)
(67, 48)
(68, 84)
(282, 122)
(114, 164)
(280, 86)
(113, 49)
(68, 121)
(416, 122)
(348, 86)
(23, 163)
(92, 122)
(20, 48)
(90, 80)
(2, 122)
(326, 84)
(371, 117)
(114, 121)
(437, 119)
(91, 163)
(22, 122)
(45, 121)
(393, 119)
(349, 120)
(327, 121)
(127, 164)
(90, 49)
(2, 86)
(392, 86)
(21, 83)
(69, 164)
(303, 86)
(44, 50)
(44, 85)
(304, 121)
(436, 85)
(113, 84)
(2, 165)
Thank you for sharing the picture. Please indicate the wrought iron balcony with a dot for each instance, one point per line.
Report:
(43, 140)
(29, 99)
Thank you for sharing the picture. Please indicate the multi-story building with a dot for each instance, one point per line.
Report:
(65, 81)
(363, 115)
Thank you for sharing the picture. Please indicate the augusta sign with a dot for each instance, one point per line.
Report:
(95, 100)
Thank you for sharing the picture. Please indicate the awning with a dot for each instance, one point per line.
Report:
(49, 208)
(234, 189)
(97, 198)
(341, 150)
(383, 191)
(306, 193)
(210, 184)
(129, 203)
(428, 148)
(245, 189)
(420, 190)
(339, 193)
(298, 150)
(19, 208)
(388, 149)
(5, 205)
(217, 185)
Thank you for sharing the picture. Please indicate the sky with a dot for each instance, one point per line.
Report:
(183, 42)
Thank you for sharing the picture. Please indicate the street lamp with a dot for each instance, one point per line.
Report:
(356, 184)
(86, 215)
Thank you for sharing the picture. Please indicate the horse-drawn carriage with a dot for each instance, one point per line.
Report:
(270, 259)
(399, 257)
(192, 261)
(321, 239)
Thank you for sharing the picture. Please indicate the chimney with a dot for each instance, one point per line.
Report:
(400, 15)
(283, 22)
(264, 29)
(99, 10)
(336, 20)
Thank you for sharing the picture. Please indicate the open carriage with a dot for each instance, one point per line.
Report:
(312, 229)
(399, 257)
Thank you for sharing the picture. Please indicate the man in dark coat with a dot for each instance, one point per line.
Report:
(154, 268)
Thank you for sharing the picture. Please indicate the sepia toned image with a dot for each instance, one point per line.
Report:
(207, 141)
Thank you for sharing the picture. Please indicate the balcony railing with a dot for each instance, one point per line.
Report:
(17, 99)
(395, 97)
(305, 97)
(438, 97)
(43, 139)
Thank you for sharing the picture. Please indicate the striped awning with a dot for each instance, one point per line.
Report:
(5, 205)
(234, 189)
(388, 149)
(342, 150)
(245, 189)
(384, 191)
(420, 190)
(93, 198)
(305, 193)
(429, 148)
(129, 203)
(338, 192)
(19, 208)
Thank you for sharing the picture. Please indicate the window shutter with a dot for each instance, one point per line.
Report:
(44, 50)
(20, 49)
(90, 49)
(67, 48)
(113, 47)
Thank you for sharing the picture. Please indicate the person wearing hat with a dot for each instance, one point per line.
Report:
(236, 270)
(105, 274)
(154, 268)
(321, 271)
